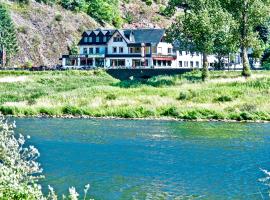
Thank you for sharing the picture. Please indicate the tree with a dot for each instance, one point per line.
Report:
(249, 15)
(105, 11)
(8, 39)
(203, 26)
(73, 48)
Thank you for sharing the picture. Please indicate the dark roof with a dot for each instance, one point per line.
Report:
(132, 36)
(148, 35)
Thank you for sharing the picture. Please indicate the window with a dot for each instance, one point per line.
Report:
(197, 64)
(104, 39)
(186, 64)
(180, 64)
(118, 62)
(91, 50)
(97, 50)
(187, 52)
(97, 39)
(197, 53)
(191, 63)
(169, 50)
(85, 39)
(84, 50)
(180, 53)
(160, 50)
(135, 50)
(114, 49)
(169, 63)
(90, 39)
(154, 49)
(117, 39)
(121, 50)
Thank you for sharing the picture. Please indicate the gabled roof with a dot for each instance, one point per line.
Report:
(148, 36)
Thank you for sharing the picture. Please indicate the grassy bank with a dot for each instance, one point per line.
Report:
(226, 96)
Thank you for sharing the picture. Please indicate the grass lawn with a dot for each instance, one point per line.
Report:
(226, 96)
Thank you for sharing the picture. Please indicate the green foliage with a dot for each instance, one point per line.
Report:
(224, 98)
(74, 5)
(73, 49)
(248, 16)
(105, 11)
(22, 29)
(204, 28)
(58, 17)
(129, 17)
(148, 2)
(8, 39)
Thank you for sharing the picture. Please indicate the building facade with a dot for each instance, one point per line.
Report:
(132, 48)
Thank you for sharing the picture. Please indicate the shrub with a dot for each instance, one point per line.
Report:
(20, 172)
(72, 110)
(170, 112)
(22, 29)
(186, 95)
(28, 65)
(111, 97)
(148, 2)
(58, 17)
(224, 98)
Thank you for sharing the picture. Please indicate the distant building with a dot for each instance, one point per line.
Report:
(135, 48)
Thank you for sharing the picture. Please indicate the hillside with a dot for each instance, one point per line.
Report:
(46, 31)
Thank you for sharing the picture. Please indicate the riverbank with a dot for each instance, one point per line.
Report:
(225, 97)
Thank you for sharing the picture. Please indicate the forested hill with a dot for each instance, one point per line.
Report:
(46, 28)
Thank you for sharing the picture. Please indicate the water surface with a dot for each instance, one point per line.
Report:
(125, 159)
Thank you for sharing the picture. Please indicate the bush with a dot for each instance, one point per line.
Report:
(111, 97)
(72, 110)
(186, 95)
(148, 2)
(22, 29)
(58, 17)
(170, 112)
(20, 172)
(28, 65)
(224, 98)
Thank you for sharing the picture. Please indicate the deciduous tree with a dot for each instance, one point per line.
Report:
(203, 27)
(8, 40)
(249, 14)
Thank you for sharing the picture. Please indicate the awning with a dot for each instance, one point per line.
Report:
(164, 58)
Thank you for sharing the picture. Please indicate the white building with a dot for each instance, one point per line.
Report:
(133, 48)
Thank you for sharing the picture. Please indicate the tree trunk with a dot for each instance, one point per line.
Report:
(205, 72)
(246, 68)
(244, 34)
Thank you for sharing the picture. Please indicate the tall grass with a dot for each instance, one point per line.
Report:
(94, 93)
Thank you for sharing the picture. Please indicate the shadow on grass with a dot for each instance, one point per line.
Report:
(160, 81)
(154, 82)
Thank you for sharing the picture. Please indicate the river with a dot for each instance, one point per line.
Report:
(142, 159)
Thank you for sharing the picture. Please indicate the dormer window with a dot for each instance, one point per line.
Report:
(85, 39)
(90, 39)
(117, 38)
(104, 39)
(97, 39)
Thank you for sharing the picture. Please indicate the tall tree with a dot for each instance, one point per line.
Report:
(8, 40)
(202, 27)
(249, 14)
